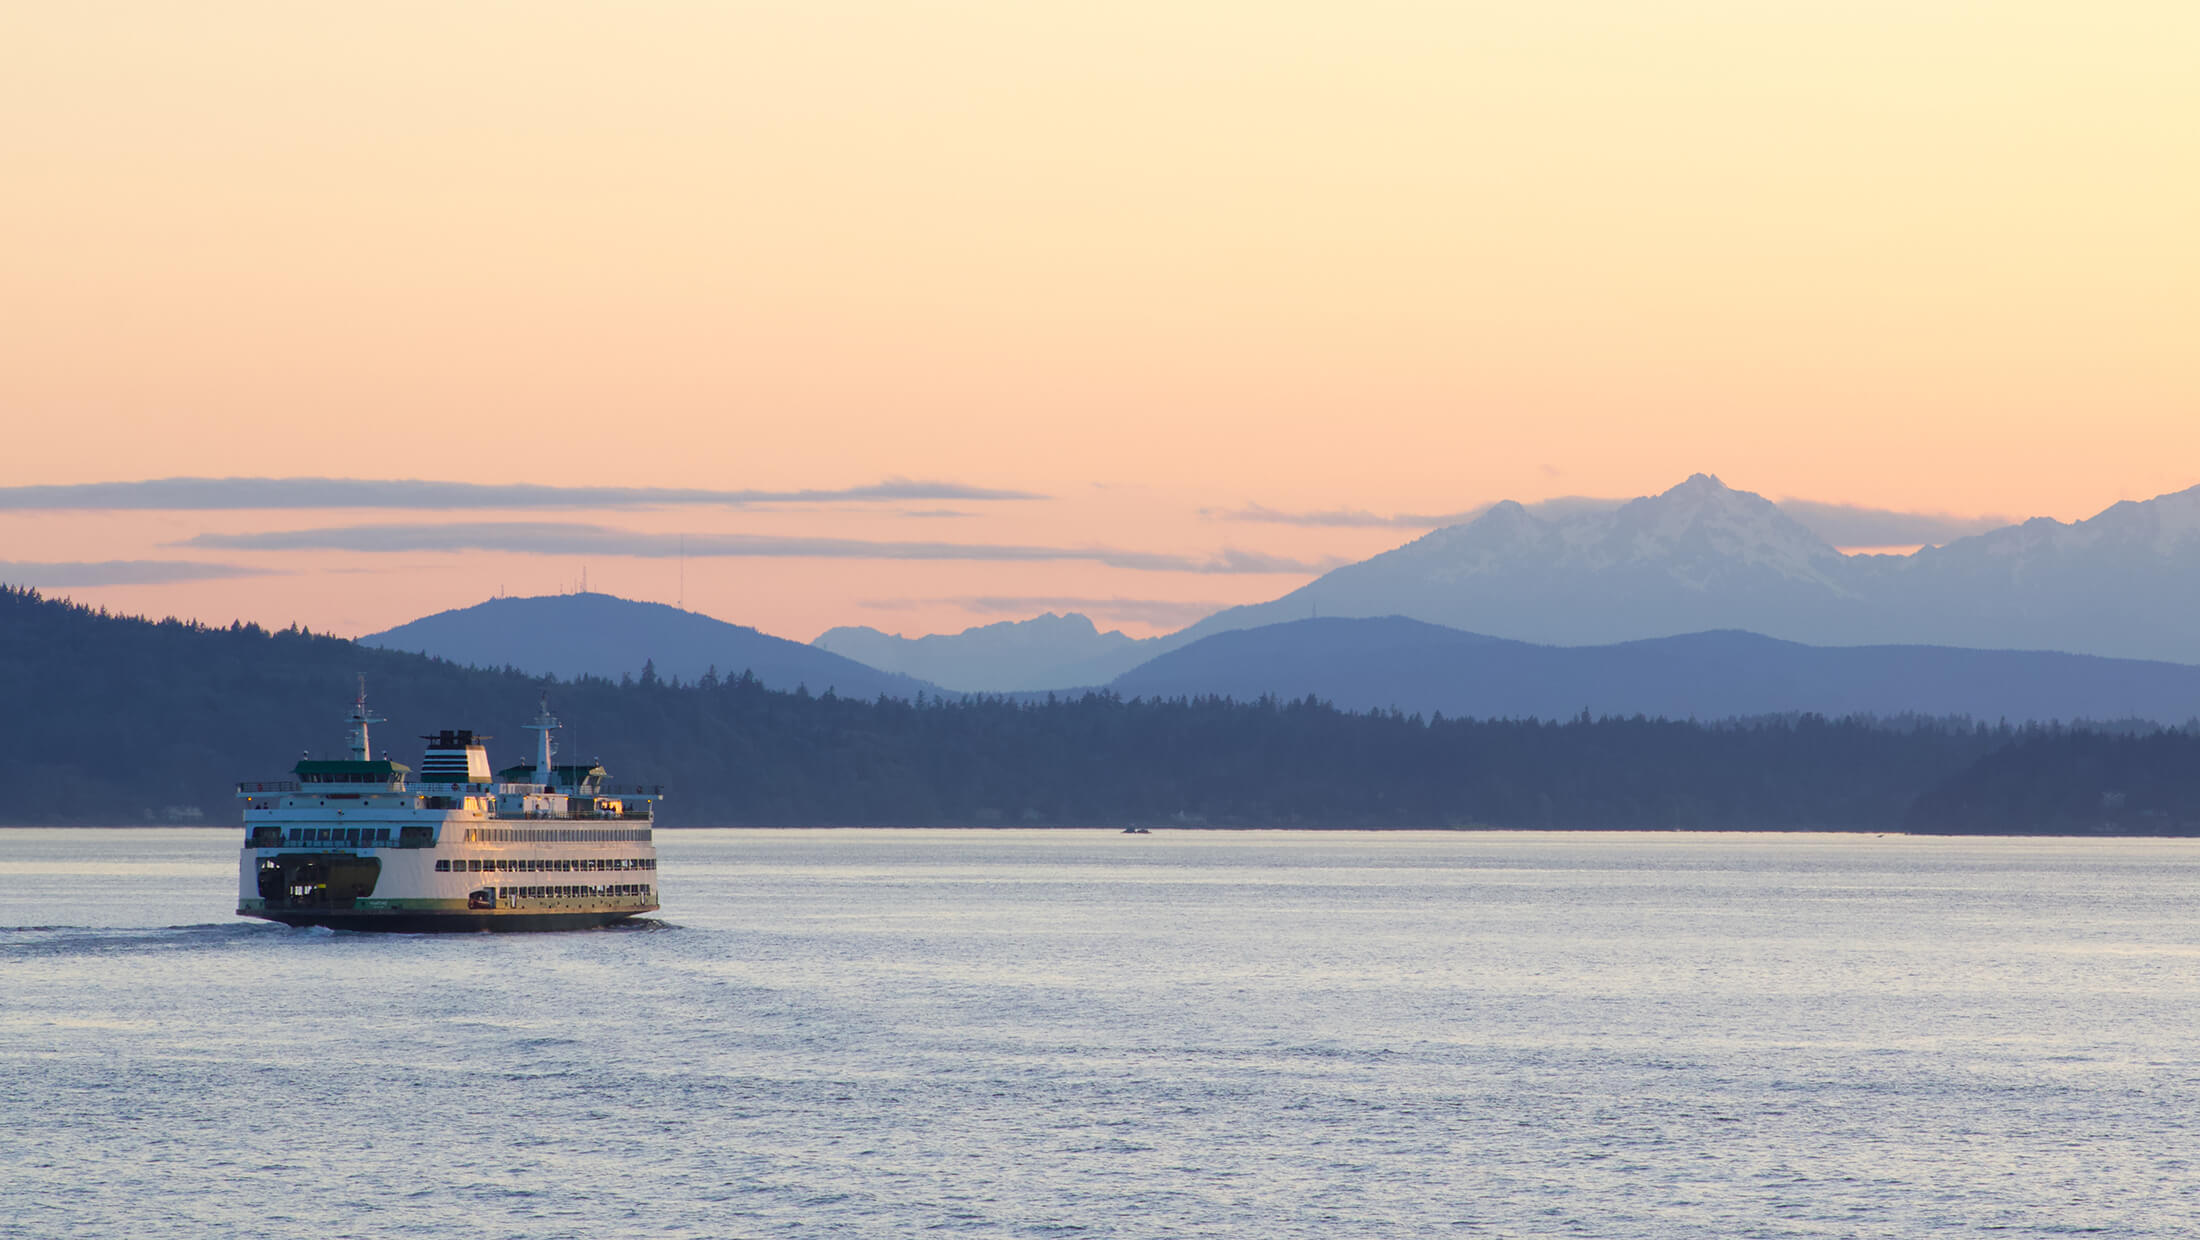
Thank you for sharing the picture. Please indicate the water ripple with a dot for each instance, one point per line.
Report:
(1021, 1034)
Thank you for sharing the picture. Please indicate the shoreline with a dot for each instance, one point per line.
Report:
(1209, 829)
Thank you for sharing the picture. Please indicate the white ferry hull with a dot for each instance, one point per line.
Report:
(463, 881)
(354, 844)
(437, 921)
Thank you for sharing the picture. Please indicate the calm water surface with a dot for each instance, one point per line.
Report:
(1006, 1033)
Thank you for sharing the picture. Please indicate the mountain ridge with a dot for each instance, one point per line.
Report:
(1399, 663)
(1007, 656)
(1704, 556)
(572, 635)
(122, 720)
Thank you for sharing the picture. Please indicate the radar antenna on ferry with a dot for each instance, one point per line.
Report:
(360, 719)
(545, 748)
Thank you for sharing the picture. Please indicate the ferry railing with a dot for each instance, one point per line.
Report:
(264, 787)
(639, 815)
(563, 790)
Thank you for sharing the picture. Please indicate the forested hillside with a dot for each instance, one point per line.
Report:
(2072, 782)
(118, 720)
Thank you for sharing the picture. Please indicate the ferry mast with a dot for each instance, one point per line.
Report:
(359, 720)
(545, 748)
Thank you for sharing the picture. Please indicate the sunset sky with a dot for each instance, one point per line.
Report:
(927, 315)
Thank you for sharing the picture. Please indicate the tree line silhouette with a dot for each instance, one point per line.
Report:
(119, 720)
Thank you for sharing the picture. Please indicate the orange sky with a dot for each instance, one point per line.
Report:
(1144, 260)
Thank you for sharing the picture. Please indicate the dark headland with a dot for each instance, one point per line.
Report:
(115, 720)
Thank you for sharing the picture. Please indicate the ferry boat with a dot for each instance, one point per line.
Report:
(363, 844)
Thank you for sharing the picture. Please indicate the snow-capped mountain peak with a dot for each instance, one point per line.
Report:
(1703, 522)
(2165, 526)
(1696, 531)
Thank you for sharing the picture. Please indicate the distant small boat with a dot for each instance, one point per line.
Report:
(1136, 831)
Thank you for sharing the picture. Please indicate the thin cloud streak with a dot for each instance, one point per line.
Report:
(1336, 518)
(559, 538)
(86, 573)
(243, 494)
(1159, 612)
(1359, 518)
(1853, 525)
(1841, 525)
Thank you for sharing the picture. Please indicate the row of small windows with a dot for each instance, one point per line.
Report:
(557, 835)
(342, 778)
(471, 865)
(546, 893)
(358, 837)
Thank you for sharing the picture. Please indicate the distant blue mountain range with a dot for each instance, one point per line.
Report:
(1362, 663)
(1045, 652)
(568, 635)
(1391, 661)
(1648, 607)
(1703, 556)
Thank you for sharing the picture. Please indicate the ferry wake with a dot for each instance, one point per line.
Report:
(358, 844)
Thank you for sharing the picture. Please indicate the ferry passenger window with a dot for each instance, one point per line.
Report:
(442, 867)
